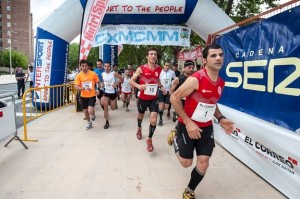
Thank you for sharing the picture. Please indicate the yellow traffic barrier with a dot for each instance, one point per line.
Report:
(44, 100)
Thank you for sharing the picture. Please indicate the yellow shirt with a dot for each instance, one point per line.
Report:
(87, 80)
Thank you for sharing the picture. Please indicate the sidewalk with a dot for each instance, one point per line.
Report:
(7, 79)
(69, 162)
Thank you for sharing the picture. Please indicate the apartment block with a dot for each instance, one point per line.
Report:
(16, 27)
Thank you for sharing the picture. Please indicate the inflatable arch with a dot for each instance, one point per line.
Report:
(56, 32)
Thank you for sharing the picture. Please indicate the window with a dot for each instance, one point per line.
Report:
(8, 32)
(8, 1)
(0, 15)
(0, 32)
(8, 8)
(8, 24)
(8, 41)
(8, 16)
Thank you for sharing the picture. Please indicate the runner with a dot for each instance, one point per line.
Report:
(202, 90)
(188, 69)
(148, 86)
(166, 77)
(110, 90)
(85, 83)
(126, 90)
(99, 70)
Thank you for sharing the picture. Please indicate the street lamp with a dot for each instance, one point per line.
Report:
(10, 64)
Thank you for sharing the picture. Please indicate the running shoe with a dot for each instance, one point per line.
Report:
(139, 133)
(127, 110)
(174, 119)
(160, 123)
(93, 117)
(106, 126)
(188, 195)
(171, 137)
(168, 115)
(150, 147)
(89, 126)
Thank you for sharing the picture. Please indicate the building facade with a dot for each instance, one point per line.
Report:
(16, 27)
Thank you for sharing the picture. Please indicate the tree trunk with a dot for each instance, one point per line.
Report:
(229, 7)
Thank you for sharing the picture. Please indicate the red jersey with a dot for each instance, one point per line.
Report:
(131, 73)
(150, 78)
(200, 105)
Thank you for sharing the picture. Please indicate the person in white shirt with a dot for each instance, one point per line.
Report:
(30, 75)
(109, 86)
(126, 90)
(166, 77)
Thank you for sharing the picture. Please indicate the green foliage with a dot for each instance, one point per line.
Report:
(243, 9)
(73, 61)
(93, 56)
(73, 56)
(18, 59)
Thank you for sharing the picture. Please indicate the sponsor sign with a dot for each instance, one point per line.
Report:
(43, 64)
(146, 7)
(93, 16)
(262, 69)
(261, 95)
(191, 54)
(143, 35)
(269, 150)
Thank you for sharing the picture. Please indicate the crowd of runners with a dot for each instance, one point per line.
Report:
(192, 93)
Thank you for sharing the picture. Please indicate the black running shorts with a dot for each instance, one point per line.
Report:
(186, 145)
(87, 101)
(142, 105)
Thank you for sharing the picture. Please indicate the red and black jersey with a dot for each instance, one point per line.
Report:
(209, 92)
(149, 76)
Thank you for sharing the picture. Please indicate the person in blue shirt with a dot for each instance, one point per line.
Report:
(99, 70)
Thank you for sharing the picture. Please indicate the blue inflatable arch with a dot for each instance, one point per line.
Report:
(56, 32)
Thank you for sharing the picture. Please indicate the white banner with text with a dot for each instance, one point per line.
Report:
(143, 35)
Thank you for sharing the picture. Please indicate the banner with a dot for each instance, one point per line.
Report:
(93, 16)
(262, 88)
(43, 67)
(143, 35)
(190, 55)
(262, 69)
(146, 7)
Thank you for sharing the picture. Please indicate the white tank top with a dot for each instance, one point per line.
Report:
(31, 75)
(109, 80)
(125, 86)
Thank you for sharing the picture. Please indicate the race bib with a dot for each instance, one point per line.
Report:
(126, 87)
(108, 84)
(204, 112)
(86, 85)
(151, 89)
(166, 82)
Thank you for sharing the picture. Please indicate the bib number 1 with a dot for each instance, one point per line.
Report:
(204, 112)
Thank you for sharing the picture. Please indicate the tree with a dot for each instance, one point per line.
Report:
(18, 59)
(73, 56)
(242, 9)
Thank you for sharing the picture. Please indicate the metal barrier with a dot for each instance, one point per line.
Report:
(60, 96)
(8, 120)
(269, 13)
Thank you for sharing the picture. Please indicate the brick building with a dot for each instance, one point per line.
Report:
(16, 27)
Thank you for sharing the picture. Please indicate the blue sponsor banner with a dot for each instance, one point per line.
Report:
(51, 56)
(110, 54)
(262, 69)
